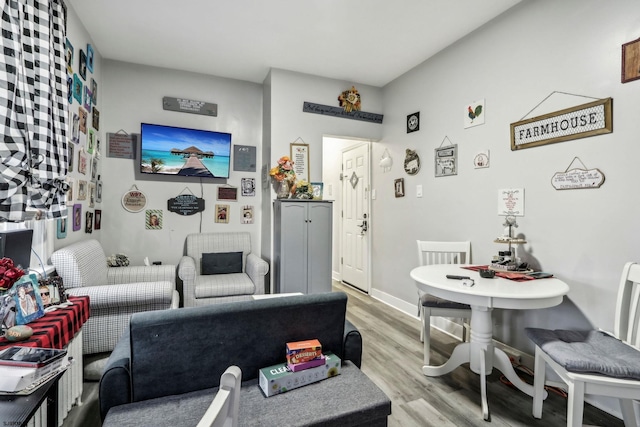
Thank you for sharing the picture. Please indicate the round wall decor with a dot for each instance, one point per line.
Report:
(134, 200)
(411, 162)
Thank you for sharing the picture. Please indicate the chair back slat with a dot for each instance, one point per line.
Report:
(627, 321)
(430, 253)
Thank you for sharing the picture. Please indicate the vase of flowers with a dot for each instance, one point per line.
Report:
(9, 274)
(284, 177)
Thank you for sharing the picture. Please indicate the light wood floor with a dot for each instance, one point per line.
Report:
(392, 358)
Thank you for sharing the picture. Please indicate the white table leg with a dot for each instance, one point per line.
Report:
(459, 356)
(503, 364)
(483, 387)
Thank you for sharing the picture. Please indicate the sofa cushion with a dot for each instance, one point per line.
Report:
(349, 399)
(221, 263)
(217, 285)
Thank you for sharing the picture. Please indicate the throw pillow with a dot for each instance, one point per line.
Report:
(222, 263)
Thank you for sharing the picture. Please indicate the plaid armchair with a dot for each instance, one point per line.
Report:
(114, 293)
(203, 289)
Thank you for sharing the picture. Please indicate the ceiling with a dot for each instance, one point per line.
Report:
(363, 41)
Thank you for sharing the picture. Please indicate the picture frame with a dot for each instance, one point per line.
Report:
(82, 125)
(97, 224)
(87, 98)
(68, 56)
(94, 92)
(227, 193)
(222, 214)
(52, 292)
(317, 188)
(75, 130)
(153, 219)
(71, 158)
(92, 194)
(82, 162)
(99, 190)
(69, 89)
(630, 61)
(300, 158)
(398, 186)
(95, 117)
(77, 217)
(94, 169)
(446, 160)
(77, 88)
(247, 215)
(88, 224)
(82, 190)
(248, 186)
(90, 57)
(26, 296)
(61, 228)
(91, 142)
(82, 69)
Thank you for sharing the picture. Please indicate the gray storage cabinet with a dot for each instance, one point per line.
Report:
(302, 245)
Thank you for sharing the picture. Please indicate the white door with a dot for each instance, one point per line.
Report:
(355, 216)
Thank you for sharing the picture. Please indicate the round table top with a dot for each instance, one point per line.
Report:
(495, 293)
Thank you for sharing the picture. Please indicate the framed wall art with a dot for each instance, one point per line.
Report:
(248, 186)
(77, 216)
(227, 193)
(222, 214)
(88, 224)
(153, 219)
(446, 160)
(247, 215)
(399, 187)
(300, 158)
(317, 188)
(631, 61)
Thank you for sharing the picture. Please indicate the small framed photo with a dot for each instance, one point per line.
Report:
(68, 56)
(72, 152)
(94, 169)
(82, 162)
(90, 57)
(75, 130)
(82, 113)
(247, 215)
(399, 187)
(87, 98)
(88, 225)
(27, 298)
(631, 61)
(72, 191)
(317, 190)
(227, 193)
(61, 228)
(83, 65)
(82, 190)
(153, 219)
(95, 115)
(77, 88)
(77, 217)
(248, 186)
(92, 194)
(91, 143)
(52, 291)
(222, 214)
(97, 224)
(94, 92)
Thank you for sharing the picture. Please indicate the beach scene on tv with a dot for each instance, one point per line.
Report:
(169, 150)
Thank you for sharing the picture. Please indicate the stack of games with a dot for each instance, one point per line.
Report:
(305, 365)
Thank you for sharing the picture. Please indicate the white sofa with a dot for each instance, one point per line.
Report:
(115, 293)
(203, 289)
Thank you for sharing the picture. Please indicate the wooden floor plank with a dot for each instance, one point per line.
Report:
(392, 358)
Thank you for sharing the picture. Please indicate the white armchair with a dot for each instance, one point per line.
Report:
(114, 293)
(235, 274)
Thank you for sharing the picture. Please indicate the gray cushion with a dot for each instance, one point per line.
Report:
(222, 263)
(427, 300)
(588, 352)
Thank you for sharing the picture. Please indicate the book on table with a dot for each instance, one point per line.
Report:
(21, 366)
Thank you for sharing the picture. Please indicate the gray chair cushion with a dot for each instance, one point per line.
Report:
(427, 300)
(588, 352)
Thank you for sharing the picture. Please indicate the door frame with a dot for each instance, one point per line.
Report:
(368, 144)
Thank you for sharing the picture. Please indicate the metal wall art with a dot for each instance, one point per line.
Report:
(577, 178)
(411, 162)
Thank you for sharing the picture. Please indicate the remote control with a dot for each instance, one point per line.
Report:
(452, 276)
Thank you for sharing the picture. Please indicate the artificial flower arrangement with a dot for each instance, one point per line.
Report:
(284, 176)
(303, 190)
(9, 274)
(118, 260)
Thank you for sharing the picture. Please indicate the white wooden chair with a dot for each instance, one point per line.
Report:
(595, 362)
(441, 253)
(223, 411)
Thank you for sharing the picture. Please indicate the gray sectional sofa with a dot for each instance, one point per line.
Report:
(166, 368)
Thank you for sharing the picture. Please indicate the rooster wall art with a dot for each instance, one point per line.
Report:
(474, 114)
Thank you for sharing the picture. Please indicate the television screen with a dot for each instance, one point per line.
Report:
(166, 150)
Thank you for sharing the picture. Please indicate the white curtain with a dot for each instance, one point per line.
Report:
(33, 110)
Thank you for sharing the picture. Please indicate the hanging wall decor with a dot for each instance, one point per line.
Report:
(582, 121)
(631, 61)
(153, 219)
(577, 178)
(300, 158)
(511, 202)
(134, 200)
(446, 159)
(185, 204)
(474, 114)
(481, 160)
(398, 186)
(222, 214)
(413, 122)
(350, 100)
(411, 162)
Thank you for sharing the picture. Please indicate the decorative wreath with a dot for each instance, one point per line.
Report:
(350, 100)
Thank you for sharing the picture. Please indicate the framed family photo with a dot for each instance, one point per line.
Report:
(27, 299)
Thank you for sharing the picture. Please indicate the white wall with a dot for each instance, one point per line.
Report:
(133, 94)
(584, 237)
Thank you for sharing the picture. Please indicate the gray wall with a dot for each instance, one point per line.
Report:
(583, 236)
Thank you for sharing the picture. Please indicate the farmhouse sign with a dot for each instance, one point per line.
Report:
(582, 121)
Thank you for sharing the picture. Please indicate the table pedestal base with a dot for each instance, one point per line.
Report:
(482, 357)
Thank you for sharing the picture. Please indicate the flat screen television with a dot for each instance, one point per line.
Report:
(174, 151)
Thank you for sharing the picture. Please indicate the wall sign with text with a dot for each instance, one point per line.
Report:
(594, 118)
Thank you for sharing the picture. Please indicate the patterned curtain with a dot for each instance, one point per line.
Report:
(33, 109)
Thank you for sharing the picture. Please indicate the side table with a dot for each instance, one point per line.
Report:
(61, 328)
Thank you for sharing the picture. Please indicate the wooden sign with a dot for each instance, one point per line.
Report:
(189, 106)
(582, 121)
(185, 204)
(134, 200)
(121, 145)
(328, 110)
(577, 178)
(228, 193)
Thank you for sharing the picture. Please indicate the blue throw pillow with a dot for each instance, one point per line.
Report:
(222, 263)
